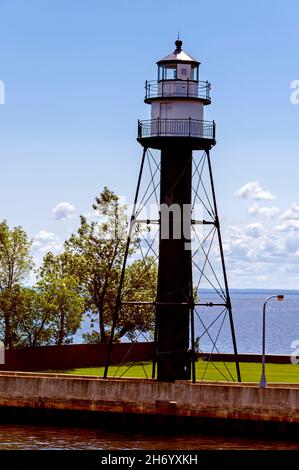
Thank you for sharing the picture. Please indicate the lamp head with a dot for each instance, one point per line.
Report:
(280, 297)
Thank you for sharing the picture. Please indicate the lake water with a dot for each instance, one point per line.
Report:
(14, 437)
(282, 323)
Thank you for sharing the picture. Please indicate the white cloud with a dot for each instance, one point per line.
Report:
(291, 213)
(63, 211)
(268, 259)
(94, 215)
(44, 242)
(256, 244)
(269, 212)
(254, 190)
(236, 246)
(292, 243)
(288, 226)
(254, 230)
(43, 236)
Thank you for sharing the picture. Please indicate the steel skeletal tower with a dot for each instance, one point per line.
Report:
(180, 178)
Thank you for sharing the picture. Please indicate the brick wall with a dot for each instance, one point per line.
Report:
(74, 356)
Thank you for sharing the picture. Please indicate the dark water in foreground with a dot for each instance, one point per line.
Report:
(16, 437)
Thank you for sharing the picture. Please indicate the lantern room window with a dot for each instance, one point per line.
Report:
(167, 72)
(178, 71)
(194, 73)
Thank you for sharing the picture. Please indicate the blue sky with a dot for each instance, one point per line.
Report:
(74, 74)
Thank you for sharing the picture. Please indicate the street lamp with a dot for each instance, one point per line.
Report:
(263, 382)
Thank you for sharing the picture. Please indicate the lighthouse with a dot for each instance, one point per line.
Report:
(176, 130)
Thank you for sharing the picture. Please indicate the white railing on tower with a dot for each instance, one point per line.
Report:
(177, 88)
(176, 128)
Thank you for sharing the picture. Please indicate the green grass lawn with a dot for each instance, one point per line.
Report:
(204, 371)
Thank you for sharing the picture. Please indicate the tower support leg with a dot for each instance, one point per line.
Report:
(122, 276)
(229, 306)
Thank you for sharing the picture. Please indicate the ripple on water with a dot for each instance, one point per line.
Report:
(16, 437)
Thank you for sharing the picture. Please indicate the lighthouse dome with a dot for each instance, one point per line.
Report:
(178, 55)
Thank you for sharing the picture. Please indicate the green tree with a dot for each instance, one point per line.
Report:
(62, 305)
(134, 320)
(15, 266)
(29, 322)
(100, 247)
(94, 256)
(49, 313)
(140, 285)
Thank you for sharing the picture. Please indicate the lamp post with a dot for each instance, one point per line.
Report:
(263, 382)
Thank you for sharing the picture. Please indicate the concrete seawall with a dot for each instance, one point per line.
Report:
(279, 403)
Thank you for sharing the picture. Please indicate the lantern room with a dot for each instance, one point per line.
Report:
(178, 65)
(178, 78)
